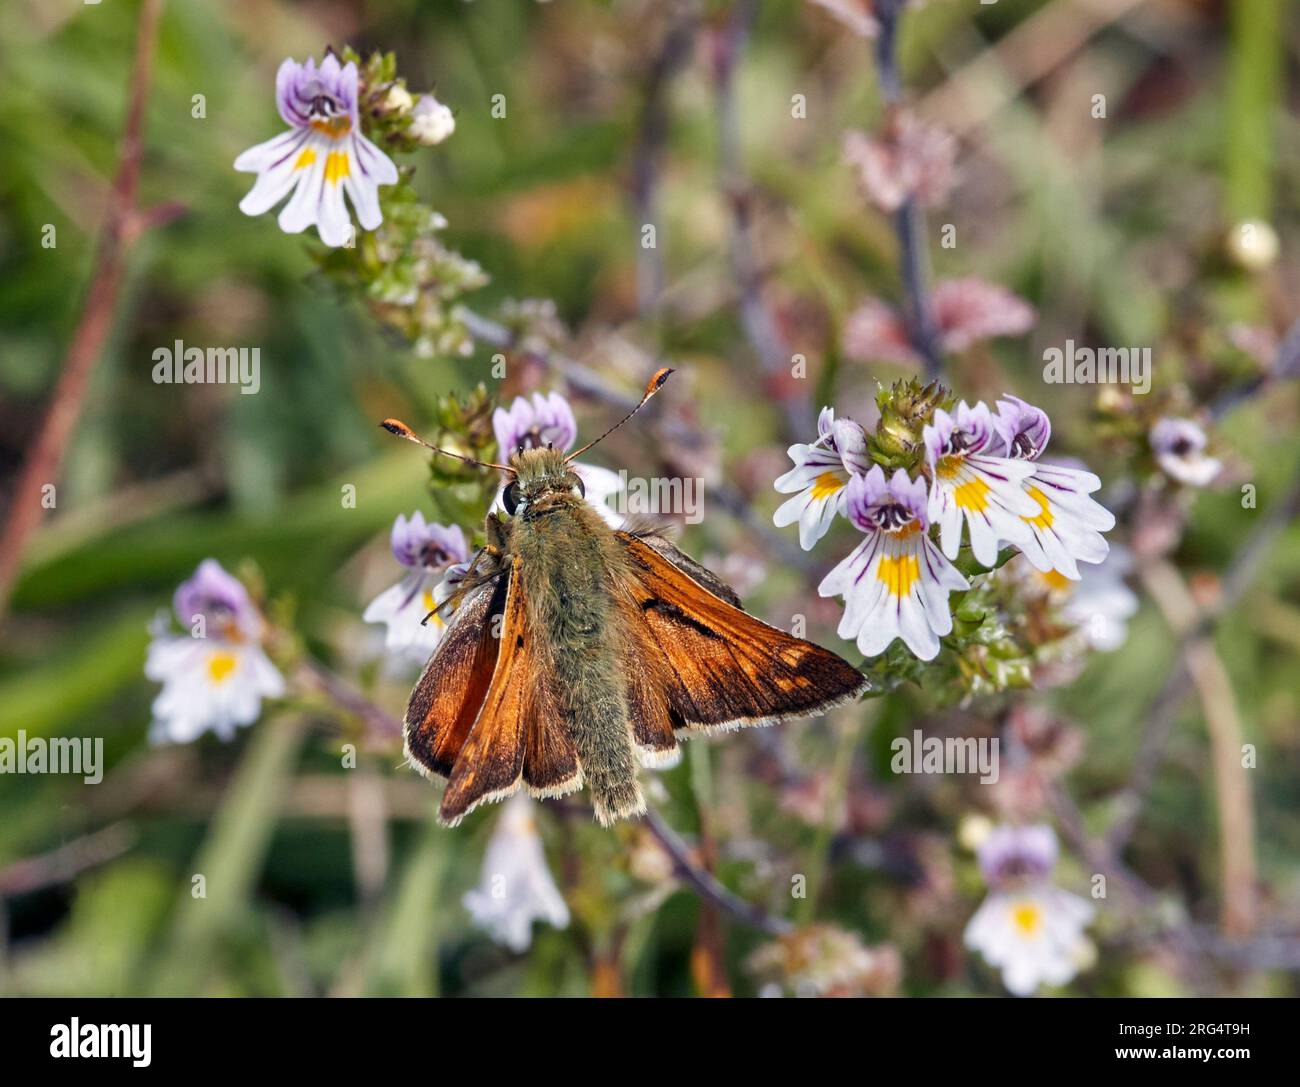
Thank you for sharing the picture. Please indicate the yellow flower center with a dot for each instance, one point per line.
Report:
(1044, 517)
(1027, 918)
(305, 159)
(949, 466)
(333, 127)
(221, 665)
(972, 495)
(336, 166)
(899, 574)
(826, 484)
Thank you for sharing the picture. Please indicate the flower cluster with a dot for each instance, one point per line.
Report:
(968, 466)
(1028, 928)
(215, 676)
(345, 116)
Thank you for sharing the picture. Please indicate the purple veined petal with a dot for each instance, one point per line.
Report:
(864, 494)
(276, 180)
(1017, 852)
(272, 152)
(1027, 428)
(372, 162)
(288, 80)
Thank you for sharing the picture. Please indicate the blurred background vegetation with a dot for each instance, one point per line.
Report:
(325, 880)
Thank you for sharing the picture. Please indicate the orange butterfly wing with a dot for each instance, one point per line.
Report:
(716, 665)
(446, 700)
(491, 723)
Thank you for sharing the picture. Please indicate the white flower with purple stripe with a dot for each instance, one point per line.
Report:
(1179, 448)
(896, 582)
(970, 479)
(1029, 929)
(434, 555)
(820, 475)
(548, 421)
(1066, 524)
(321, 157)
(215, 676)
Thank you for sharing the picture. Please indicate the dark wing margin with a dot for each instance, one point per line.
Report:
(718, 666)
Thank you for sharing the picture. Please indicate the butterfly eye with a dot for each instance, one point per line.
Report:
(582, 487)
(511, 498)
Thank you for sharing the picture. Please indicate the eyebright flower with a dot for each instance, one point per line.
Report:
(548, 420)
(1028, 928)
(970, 480)
(322, 156)
(435, 555)
(1067, 526)
(216, 676)
(820, 475)
(896, 582)
(431, 121)
(1179, 448)
(516, 887)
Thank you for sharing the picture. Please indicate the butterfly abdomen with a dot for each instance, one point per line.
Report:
(567, 584)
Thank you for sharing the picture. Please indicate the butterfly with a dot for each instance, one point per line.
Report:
(576, 652)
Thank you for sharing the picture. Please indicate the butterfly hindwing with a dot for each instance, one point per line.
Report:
(518, 734)
(446, 700)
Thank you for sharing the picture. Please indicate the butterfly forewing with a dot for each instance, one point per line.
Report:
(718, 665)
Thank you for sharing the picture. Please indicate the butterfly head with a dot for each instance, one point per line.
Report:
(542, 477)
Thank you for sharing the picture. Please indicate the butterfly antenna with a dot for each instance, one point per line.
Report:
(396, 426)
(653, 386)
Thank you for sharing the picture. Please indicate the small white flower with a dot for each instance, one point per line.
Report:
(431, 121)
(971, 480)
(1028, 928)
(1179, 448)
(321, 157)
(515, 887)
(437, 557)
(398, 99)
(896, 582)
(1100, 604)
(215, 677)
(1034, 936)
(1066, 524)
(819, 477)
